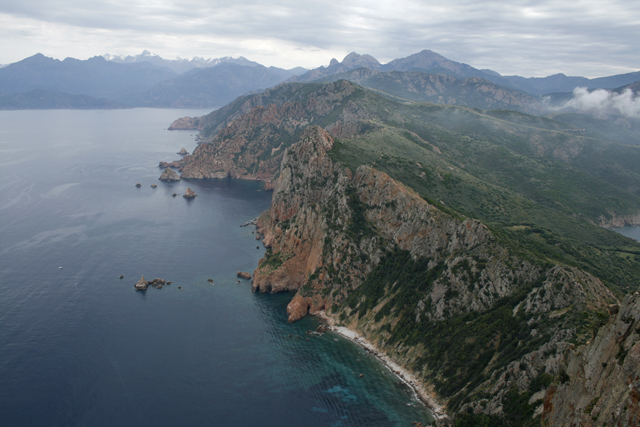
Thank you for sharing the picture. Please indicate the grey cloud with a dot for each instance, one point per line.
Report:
(513, 37)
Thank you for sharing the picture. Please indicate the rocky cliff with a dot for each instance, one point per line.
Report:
(243, 146)
(599, 383)
(438, 292)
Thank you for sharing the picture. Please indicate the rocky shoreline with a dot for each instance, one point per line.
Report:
(415, 385)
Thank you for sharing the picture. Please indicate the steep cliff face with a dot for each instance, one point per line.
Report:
(438, 293)
(600, 382)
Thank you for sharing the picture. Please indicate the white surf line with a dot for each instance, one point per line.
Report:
(405, 376)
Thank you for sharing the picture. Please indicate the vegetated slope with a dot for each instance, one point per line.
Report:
(95, 77)
(473, 92)
(620, 129)
(42, 99)
(208, 87)
(461, 242)
(438, 292)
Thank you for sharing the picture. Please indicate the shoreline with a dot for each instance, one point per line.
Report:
(414, 384)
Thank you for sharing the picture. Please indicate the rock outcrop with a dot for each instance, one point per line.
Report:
(141, 285)
(600, 382)
(169, 175)
(330, 234)
(189, 194)
(183, 152)
(244, 275)
(175, 164)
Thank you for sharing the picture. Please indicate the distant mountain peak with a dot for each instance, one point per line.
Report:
(179, 65)
(355, 60)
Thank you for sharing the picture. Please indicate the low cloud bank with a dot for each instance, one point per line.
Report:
(601, 102)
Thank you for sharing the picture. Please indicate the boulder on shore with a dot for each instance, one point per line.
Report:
(141, 285)
(189, 194)
(183, 152)
(169, 175)
(244, 275)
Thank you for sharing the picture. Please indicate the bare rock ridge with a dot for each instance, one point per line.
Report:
(600, 382)
(333, 235)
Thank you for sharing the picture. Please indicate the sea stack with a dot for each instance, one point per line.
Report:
(189, 194)
(141, 285)
(169, 175)
(183, 152)
(244, 275)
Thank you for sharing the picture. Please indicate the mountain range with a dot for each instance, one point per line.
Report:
(149, 80)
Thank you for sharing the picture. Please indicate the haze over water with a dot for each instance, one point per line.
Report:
(79, 346)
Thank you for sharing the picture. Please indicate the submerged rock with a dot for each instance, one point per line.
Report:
(189, 194)
(183, 152)
(141, 285)
(169, 175)
(244, 275)
(138, 185)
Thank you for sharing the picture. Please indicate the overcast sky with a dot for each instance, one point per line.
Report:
(529, 38)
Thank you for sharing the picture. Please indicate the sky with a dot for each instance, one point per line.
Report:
(589, 38)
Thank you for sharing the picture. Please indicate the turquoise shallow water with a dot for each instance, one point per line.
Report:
(78, 346)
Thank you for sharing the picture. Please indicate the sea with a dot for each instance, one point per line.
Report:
(80, 347)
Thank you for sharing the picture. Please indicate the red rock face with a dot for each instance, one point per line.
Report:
(251, 144)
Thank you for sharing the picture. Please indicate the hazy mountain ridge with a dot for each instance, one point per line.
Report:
(179, 65)
(208, 87)
(474, 92)
(95, 77)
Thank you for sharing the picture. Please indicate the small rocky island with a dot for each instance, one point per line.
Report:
(189, 194)
(169, 175)
(143, 284)
(183, 152)
(244, 275)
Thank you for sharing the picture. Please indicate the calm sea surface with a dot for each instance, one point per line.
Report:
(633, 232)
(80, 347)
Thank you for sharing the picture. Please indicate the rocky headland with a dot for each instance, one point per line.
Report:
(483, 313)
(186, 123)
(331, 232)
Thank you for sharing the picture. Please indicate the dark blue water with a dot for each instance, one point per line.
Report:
(80, 347)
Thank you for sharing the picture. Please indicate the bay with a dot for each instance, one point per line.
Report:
(79, 346)
(632, 232)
